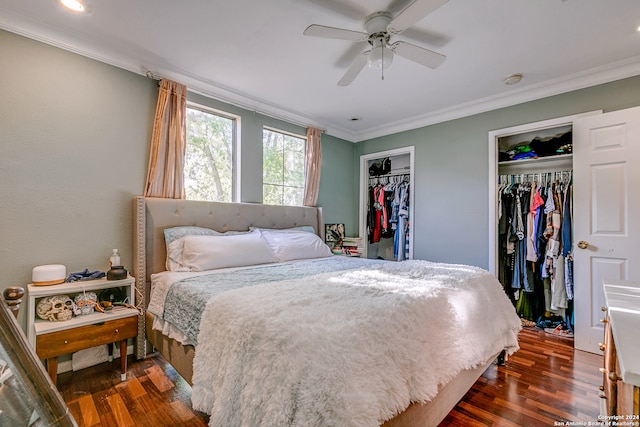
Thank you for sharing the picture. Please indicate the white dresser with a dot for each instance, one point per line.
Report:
(621, 372)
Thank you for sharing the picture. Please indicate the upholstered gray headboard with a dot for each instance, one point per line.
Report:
(152, 215)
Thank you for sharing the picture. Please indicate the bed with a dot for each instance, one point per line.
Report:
(326, 340)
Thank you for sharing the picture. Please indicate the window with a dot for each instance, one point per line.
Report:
(282, 168)
(209, 164)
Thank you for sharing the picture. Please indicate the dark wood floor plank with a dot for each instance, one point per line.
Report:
(545, 382)
(554, 383)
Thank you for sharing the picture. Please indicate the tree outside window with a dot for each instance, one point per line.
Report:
(282, 168)
(209, 158)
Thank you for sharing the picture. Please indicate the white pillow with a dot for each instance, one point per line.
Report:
(201, 253)
(289, 245)
(307, 228)
(174, 243)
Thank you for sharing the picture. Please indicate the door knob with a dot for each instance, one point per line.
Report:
(582, 244)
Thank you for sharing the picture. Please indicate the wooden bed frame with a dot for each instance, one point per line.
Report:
(153, 215)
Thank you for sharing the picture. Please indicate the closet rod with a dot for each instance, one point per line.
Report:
(534, 174)
(524, 177)
(388, 174)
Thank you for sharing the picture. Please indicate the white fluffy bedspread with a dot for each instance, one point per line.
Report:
(351, 348)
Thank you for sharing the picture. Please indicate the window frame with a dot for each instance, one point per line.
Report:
(293, 135)
(236, 171)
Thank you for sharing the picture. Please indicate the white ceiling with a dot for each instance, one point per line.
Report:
(253, 54)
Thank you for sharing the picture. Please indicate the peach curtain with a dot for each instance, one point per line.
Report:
(165, 174)
(312, 167)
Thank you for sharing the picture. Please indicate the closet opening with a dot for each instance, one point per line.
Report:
(531, 221)
(386, 204)
(535, 247)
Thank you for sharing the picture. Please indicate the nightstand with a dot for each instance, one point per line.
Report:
(51, 339)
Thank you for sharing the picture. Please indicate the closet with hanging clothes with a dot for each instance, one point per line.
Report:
(534, 225)
(535, 239)
(386, 213)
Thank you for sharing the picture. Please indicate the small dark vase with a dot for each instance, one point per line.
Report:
(117, 272)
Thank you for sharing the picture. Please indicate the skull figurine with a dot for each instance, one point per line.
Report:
(55, 308)
(85, 302)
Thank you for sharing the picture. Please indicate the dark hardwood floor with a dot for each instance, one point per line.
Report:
(545, 382)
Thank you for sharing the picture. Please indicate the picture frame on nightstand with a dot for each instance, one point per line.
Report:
(333, 235)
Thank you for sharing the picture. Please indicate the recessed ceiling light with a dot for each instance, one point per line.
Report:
(512, 79)
(75, 5)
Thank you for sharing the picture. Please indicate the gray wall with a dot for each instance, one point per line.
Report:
(74, 147)
(338, 191)
(74, 136)
(451, 173)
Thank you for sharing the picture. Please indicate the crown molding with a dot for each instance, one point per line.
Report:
(592, 77)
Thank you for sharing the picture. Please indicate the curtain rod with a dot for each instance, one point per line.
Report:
(157, 77)
(153, 76)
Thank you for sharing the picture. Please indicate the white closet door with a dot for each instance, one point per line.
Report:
(606, 214)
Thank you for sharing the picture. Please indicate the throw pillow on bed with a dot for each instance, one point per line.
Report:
(289, 245)
(174, 242)
(306, 228)
(201, 253)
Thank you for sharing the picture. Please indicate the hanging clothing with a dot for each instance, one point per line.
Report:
(376, 207)
(388, 213)
(401, 237)
(534, 229)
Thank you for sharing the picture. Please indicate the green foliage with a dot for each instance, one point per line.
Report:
(208, 169)
(282, 168)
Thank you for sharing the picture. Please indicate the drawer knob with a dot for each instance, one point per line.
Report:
(614, 377)
(602, 347)
(66, 342)
(603, 308)
(604, 321)
(117, 331)
(604, 371)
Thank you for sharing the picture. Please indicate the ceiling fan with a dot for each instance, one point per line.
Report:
(378, 29)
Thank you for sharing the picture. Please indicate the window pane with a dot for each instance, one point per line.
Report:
(294, 162)
(272, 194)
(283, 168)
(272, 160)
(208, 169)
(293, 196)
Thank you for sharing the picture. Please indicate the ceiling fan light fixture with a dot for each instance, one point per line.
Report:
(74, 5)
(380, 58)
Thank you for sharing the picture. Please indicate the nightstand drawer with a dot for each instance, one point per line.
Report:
(71, 340)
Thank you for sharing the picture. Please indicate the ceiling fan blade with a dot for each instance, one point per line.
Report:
(348, 9)
(354, 70)
(418, 54)
(334, 33)
(412, 14)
